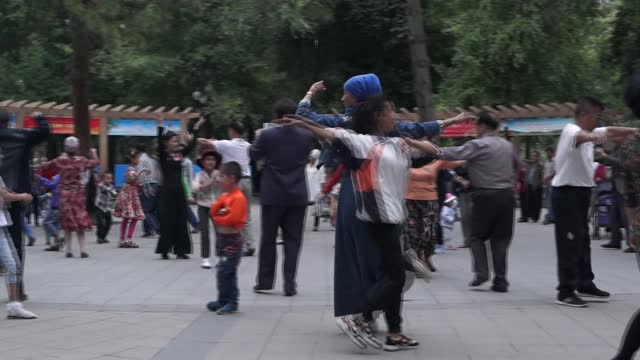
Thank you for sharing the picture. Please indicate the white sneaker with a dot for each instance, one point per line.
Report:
(346, 324)
(16, 311)
(205, 264)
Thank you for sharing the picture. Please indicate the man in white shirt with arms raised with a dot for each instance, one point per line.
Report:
(237, 149)
(570, 200)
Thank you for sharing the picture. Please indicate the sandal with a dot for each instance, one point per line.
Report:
(132, 245)
(123, 245)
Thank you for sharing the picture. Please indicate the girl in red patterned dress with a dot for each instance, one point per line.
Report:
(128, 205)
(71, 190)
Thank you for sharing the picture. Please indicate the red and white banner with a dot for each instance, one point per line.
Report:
(62, 125)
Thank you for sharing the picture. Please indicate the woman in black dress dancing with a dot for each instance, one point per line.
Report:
(172, 202)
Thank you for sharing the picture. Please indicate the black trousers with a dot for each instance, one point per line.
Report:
(15, 230)
(534, 203)
(205, 242)
(492, 220)
(631, 340)
(573, 244)
(103, 220)
(386, 292)
(617, 218)
(291, 220)
(524, 205)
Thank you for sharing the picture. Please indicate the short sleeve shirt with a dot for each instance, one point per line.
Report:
(574, 164)
(235, 150)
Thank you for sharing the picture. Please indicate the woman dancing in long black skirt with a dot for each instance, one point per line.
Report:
(172, 202)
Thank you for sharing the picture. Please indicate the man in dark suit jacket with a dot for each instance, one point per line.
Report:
(283, 196)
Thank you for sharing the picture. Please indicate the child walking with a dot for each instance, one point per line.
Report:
(9, 257)
(448, 219)
(105, 204)
(206, 189)
(228, 212)
(71, 190)
(52, 219)
(128, 206)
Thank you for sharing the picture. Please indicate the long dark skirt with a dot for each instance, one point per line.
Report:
(357, 260)
(420, 230)
(172, 216)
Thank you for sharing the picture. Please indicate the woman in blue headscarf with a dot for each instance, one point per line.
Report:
(357, 262)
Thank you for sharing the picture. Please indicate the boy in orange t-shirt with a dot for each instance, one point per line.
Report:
(229, 213)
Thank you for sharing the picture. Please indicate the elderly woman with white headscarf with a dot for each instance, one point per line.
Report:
(315, 179)
(71, 191)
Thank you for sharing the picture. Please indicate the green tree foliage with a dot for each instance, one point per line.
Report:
(242, 55)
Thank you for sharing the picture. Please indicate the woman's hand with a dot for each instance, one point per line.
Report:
(290, 121)
(200, 122)
(26, 197)
(317, 88)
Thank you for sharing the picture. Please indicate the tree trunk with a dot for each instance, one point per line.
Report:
(420, 64)
(80, 81)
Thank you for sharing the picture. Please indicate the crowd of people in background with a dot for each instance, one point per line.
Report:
(392, 194)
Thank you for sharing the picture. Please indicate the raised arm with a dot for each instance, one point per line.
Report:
(304, 108)
(618, 134)
(194, 136)
(418, 130)
(320, 132)
(40, 134)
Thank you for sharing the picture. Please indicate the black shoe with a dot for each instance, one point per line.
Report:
(499, 288)
(400, 343)
(165, 256)
(102, 241)
(572, 301)
(31, 241)
(290, 292)
(148, 235)
(629, 250)
(249, 252)
(84, 255)
(611, 246)
(594, 294)
(24, 297)
(69, 255)
(52, 248)
(183, 257)
(261, 289)
(477, 281)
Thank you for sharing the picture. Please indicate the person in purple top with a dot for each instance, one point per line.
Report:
(357, 260)
(52, 220)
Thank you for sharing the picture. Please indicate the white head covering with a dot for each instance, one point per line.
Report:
(315, 154)
(71, 144)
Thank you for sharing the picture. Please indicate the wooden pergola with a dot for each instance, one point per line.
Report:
(104, 113)
(549, 110)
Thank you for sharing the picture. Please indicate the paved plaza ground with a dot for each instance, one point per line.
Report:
(129, 304)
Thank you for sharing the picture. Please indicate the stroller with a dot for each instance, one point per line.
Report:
(322, 210)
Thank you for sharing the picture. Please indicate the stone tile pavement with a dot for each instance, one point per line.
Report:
(129, 304)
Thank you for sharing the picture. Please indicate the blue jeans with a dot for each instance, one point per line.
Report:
(25, 227)
(227, 276)
(192, 218)
(549, 217)
(9, 256)
(52, 222)
(149, 206)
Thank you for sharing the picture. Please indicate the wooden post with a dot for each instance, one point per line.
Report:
(104, 144)
(420, 64)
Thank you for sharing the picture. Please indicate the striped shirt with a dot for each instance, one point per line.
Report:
(153, 174)
(381, 181)
(234, 150)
